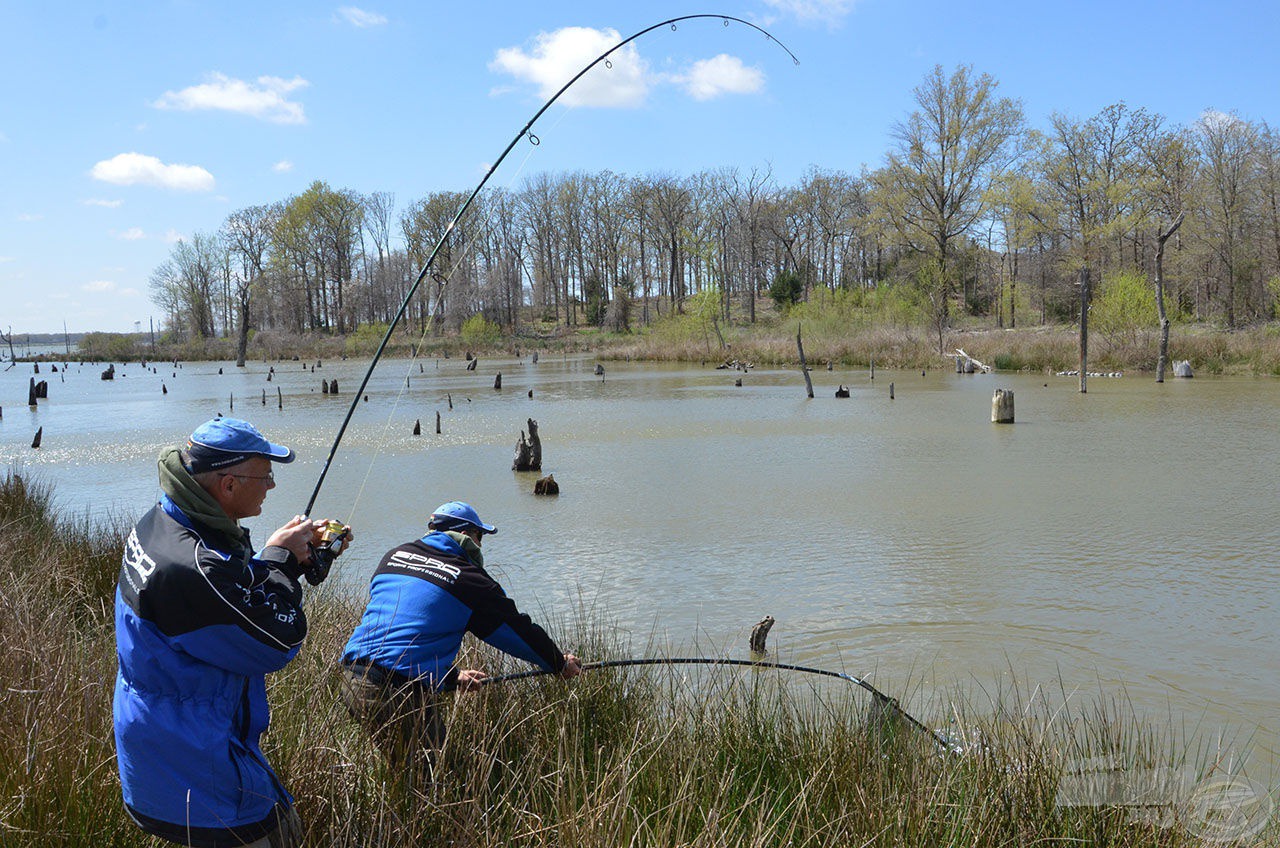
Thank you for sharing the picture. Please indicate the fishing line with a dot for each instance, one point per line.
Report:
(442, 280)
(525, 132)
(881, 699)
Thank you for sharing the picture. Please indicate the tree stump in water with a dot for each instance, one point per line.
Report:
(417, 427)
(599, 370)
(497, 382)
(1182, 368)
(759, 634)
(333, 386)
(32, 395)
(110, 373)
(1002, 407)
(324, 387)
(842, 391)
(35, 443)
(528, 454)
(438, 421)
(471, 366)
(546, 486)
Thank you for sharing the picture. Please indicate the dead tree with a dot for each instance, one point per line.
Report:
(1084, 330)
(528, 454)
(546, 486)
(804, 367)
(1163, 358)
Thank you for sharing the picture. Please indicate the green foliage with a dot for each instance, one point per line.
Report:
(480, 332)
(594, 293)
(786, 290)
(1126, 304)
(109, 347)
(365, 340)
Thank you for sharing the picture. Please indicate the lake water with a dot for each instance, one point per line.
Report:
(1118, 542)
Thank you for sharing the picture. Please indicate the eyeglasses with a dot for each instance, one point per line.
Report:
(270, 475)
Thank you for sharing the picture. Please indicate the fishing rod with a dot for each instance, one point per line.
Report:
(466, 204)
(881, 699)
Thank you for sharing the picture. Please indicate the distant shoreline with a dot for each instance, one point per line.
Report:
(1040, 349)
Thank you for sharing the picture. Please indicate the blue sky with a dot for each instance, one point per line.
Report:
(127, 125)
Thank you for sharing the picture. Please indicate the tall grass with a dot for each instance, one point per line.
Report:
(623, 756)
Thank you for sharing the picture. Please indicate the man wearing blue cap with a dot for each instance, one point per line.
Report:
(201, 619)
(424, 596)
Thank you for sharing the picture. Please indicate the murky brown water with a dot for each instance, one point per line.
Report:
(1123, 540)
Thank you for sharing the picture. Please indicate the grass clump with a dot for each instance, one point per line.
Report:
(661, 756)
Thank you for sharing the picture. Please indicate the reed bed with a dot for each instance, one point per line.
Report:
(625, 756)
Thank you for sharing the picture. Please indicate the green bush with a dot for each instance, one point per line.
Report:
(1126, 305)
(478, 331)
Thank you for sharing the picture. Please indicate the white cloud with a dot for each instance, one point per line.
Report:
(28, 217)
(99, 286)
(108, 204)
(132, 234)
(830, 12)
(721, 74)
(556, 56)
(266, 99)
(4, 259)
(282, 167)
(137, 169)
(360, 17)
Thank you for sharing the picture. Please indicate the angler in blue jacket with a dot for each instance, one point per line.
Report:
(201, 619)
(424, 596)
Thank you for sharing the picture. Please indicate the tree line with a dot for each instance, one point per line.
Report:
(971, 209)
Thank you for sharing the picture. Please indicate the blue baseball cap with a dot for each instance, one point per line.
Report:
(223, 442)
(455, 514)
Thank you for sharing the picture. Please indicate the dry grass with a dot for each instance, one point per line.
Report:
(620, 757)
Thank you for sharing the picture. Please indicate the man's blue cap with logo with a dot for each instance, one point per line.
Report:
(455, 515)
(223, 442)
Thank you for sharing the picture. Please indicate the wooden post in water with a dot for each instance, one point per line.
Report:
(891, 391)
(32, 397)
(497, 382)
(35, 443)
(437, 422)
(417, 427)
(279, 398)
(1002, 407)
(804, 367)
(1084, 330)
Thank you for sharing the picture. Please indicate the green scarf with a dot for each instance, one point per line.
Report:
(195, 502)
(468, 545)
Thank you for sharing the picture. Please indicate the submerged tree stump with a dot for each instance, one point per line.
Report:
(497, 382)
(546, 486)
(471, 366)
(759, 634)
(1002, 407)
(1182, 368)
(35, 443)
(110, 373)
(528, 453)
(842, 391)
(32, 395)
(417, 427)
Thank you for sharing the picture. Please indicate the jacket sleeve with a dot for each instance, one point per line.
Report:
(250, 613)
(497, 621)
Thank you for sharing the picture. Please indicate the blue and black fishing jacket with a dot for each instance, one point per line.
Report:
(424, 596)
(200, 621)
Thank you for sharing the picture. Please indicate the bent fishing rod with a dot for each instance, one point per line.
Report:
(881, 699)
(525, 132)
